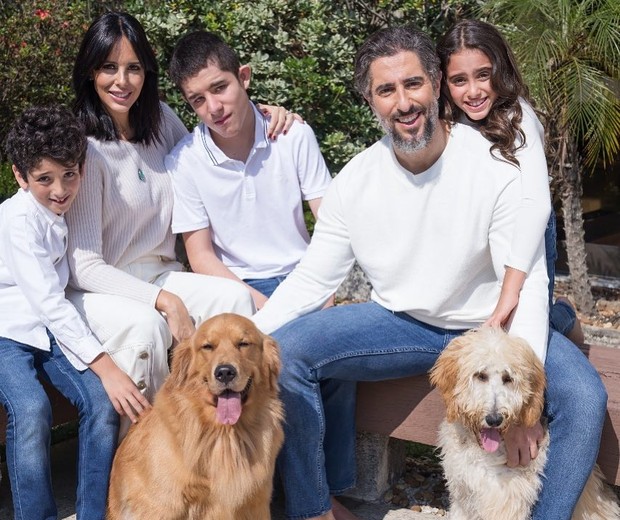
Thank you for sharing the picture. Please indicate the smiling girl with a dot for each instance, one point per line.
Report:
(482, 87)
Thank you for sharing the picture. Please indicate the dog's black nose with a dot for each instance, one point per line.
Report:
(225, 373)
(494, 420)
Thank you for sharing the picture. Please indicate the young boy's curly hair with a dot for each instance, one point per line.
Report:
(45, 132)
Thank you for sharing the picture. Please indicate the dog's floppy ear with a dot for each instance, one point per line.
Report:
(271, 355)
(535, 400)
(181, 361)
(445, 372)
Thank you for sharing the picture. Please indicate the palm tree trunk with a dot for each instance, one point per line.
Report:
(569, 185)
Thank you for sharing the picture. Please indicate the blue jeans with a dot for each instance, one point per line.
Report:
(575, 406)
(561, 316)
(29, 425)
(339, 346)
(265, 286)
(366, 342)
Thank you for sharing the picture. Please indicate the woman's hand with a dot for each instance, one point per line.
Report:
(281, 119)
(178, 318)
(122, 391)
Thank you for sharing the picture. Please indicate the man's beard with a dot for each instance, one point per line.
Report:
(409, 143)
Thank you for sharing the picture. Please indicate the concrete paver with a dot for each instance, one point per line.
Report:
(63, 475)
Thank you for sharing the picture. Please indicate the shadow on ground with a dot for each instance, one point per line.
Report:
(64, 480)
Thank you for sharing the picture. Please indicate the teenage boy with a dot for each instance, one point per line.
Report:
(428, 214)
(238, 195)
(41, 333)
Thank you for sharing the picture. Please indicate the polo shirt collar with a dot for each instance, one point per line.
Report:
(260, 138)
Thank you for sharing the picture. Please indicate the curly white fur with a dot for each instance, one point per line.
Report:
(489, 381)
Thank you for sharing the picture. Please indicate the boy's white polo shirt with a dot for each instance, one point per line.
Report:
(254, 209)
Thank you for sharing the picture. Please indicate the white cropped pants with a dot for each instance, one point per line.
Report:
(136, 335)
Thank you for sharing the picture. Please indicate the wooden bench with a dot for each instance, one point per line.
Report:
(63, 411)
(410, 409)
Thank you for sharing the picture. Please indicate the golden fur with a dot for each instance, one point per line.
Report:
(187, 460)
(489, 381)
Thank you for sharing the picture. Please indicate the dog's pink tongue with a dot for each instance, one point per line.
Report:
(228, 407)
(490, 439)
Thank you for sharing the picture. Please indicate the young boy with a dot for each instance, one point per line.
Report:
(41, 333)
(238, 195)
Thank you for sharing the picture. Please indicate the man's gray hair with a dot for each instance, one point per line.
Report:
(388, 42)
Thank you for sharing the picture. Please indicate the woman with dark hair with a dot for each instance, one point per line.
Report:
(482, 86)
(144, 116)
(126, 280)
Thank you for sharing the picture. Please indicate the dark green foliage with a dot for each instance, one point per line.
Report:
(301, 52)
(38, 42)
(8, 184)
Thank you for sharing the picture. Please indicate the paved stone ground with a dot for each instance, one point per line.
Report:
(63, 468)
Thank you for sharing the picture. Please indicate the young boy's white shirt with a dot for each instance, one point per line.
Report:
(254, 209)
(33, 275)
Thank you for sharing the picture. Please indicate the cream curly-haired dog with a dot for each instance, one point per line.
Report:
(490, 380)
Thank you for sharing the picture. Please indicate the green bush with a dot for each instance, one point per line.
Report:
(301, 52)
(8, 184)
(38, 43)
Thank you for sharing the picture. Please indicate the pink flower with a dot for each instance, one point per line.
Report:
(42, 13)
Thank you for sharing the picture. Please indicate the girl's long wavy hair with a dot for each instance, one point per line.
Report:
(502, 126)
(145, 114)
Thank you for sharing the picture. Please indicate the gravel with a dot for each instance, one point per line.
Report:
(422, 488)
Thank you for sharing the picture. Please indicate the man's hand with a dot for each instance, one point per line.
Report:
(522, 444)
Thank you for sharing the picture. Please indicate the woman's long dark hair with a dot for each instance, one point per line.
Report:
(145, 114)
(502, 126)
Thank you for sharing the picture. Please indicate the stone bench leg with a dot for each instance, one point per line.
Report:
(380, 462)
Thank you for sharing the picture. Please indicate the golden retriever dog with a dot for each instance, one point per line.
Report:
(207, 449)
(490, 381)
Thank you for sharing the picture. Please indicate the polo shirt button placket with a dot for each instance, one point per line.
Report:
(248, 185)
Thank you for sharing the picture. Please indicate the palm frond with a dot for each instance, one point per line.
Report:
(604, 37)
(593, 112)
